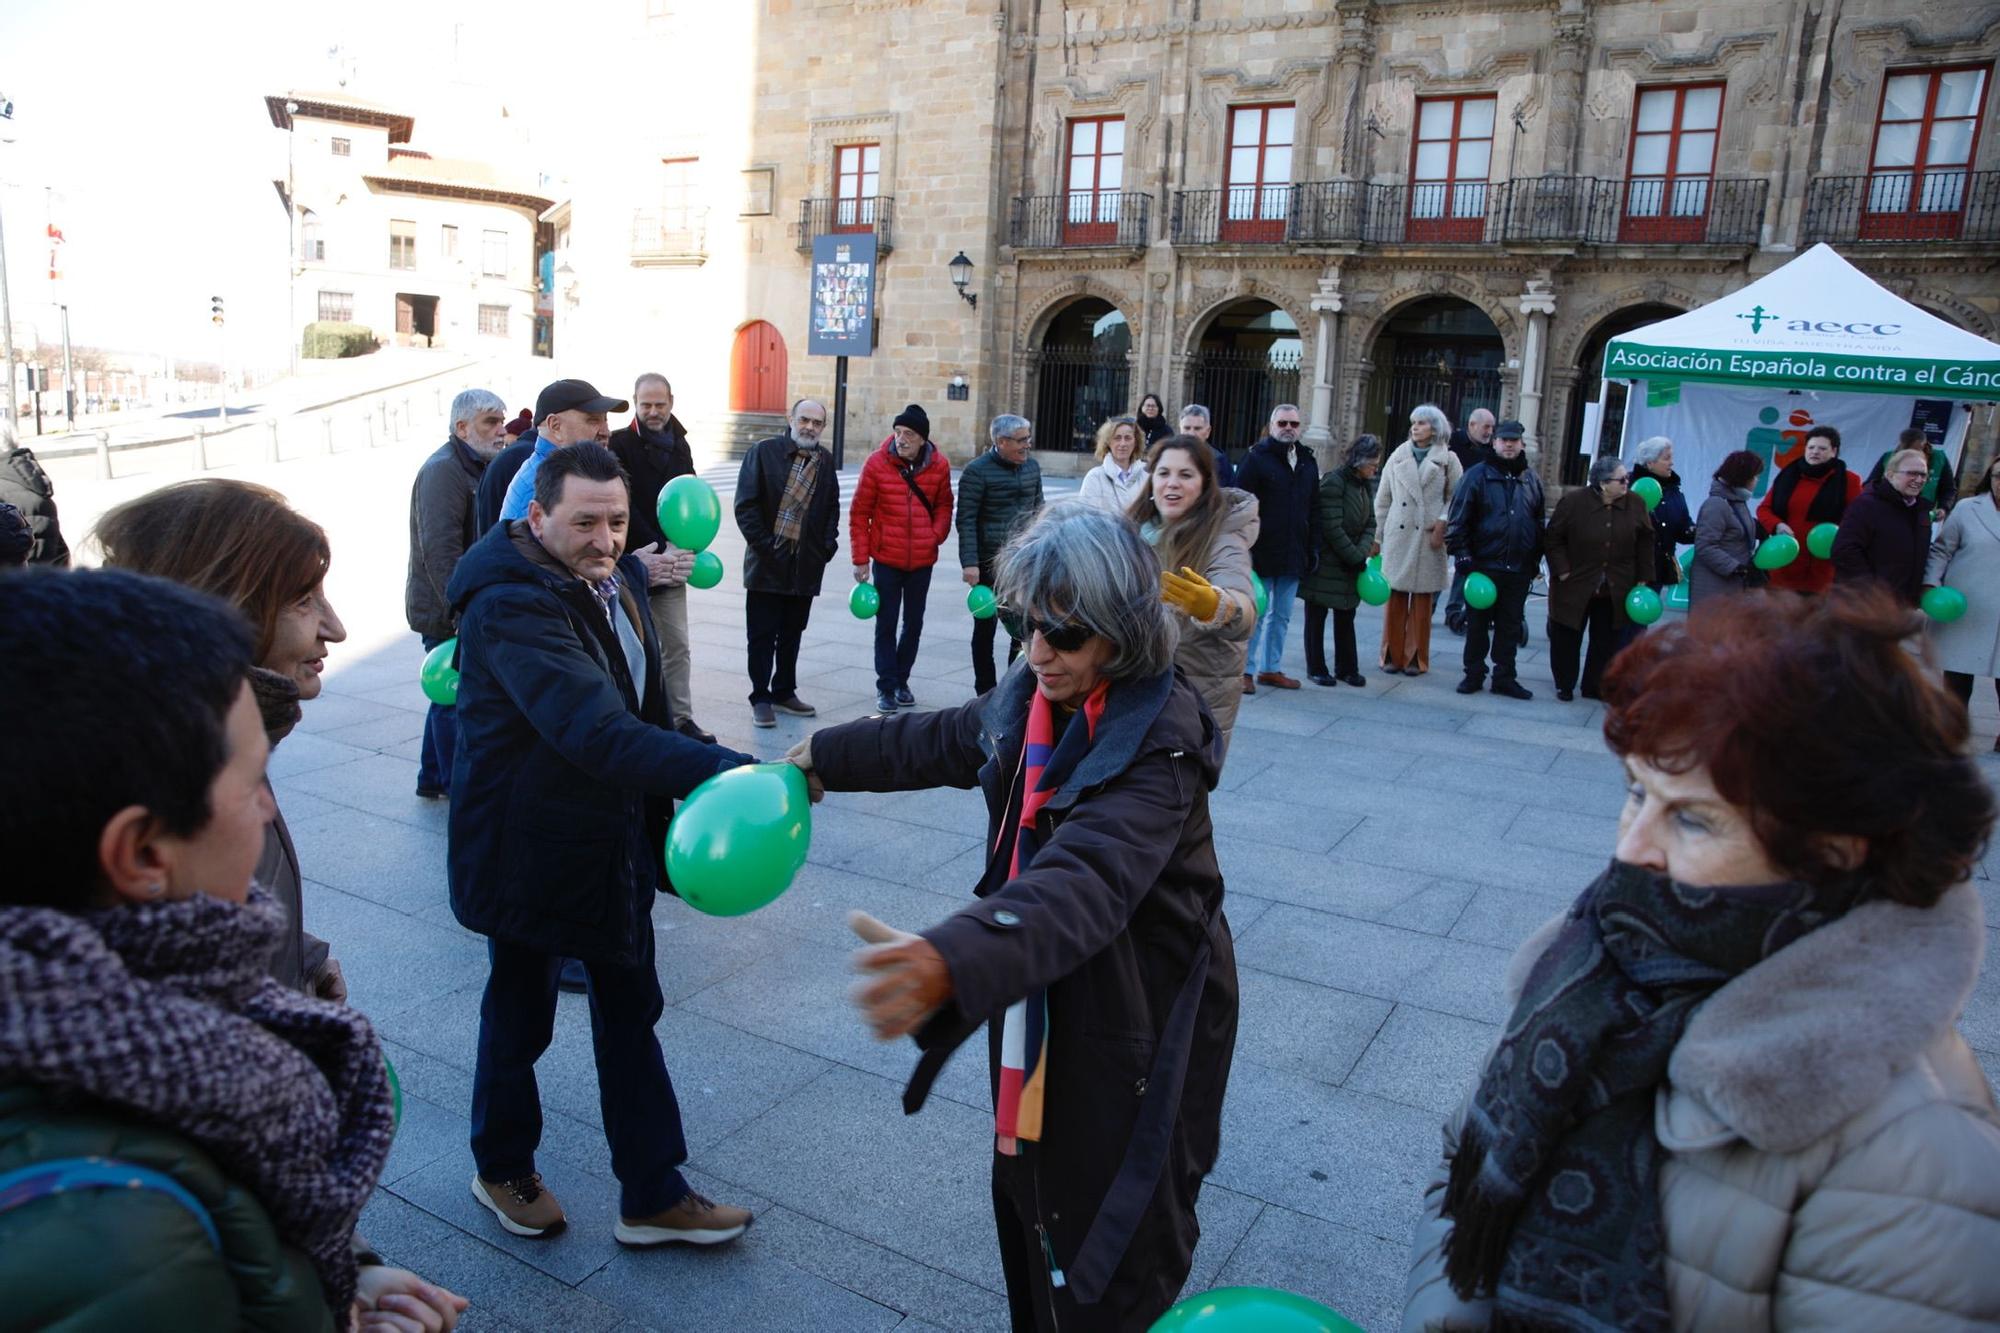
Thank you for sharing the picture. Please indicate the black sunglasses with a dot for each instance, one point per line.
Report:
(1066, 637)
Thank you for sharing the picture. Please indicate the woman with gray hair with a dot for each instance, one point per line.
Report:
(1411, 502)
(1673, 521)
(1097, 955)
(1599, 546)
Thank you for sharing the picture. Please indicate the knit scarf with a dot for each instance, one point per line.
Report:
(1554, 1190)
(1828, 503)
(1046, 763)
(791, 521)
(163, 1009)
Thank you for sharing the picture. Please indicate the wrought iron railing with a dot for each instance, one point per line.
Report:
(1076, 390)
(823, 217)
(1081, 218)
(1900, 207)
(1698, 211)
(667, 234)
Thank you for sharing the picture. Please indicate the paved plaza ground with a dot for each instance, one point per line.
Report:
(1385, 849)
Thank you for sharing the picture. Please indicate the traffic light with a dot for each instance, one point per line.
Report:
(215, 310)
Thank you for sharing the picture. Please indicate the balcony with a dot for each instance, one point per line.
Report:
(1893, 208)
(827, 217)
(1085, 218)
(1571, 210)
(665, 238)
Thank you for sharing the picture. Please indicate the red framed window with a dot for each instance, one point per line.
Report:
(1094, 180)
(1257, 194)
(1449, 163)
(1925, 134)
(857, 180)
(1670, 167)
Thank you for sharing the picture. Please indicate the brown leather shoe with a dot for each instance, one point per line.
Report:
(694, 1220)
(524, 1206)
(1277, 679)
(1249, 683)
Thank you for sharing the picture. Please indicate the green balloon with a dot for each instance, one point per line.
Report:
(1375, 561)
(1648, 489)
(864, 601)
(980, 602)
(1944, 604)
(739, 839)
(438, 676)
(395, 1091)
(1480, 592)
(1643, 605)
(1820, 540)
(1373, 588)
(707, 571)
(690, 513)
(1776, 552)
(1252, 1310)
(1260, 594)
(1687, 563)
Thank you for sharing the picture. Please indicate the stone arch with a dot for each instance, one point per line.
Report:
(1573, 331)
(1440, 284)
(1946, 306)
(1208, 304)
(1056, 299)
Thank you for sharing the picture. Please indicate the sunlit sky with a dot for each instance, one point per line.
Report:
(146, 121)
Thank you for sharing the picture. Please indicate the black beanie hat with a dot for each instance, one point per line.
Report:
(913, 417)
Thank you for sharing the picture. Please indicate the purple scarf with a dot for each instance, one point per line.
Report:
(164, 1009)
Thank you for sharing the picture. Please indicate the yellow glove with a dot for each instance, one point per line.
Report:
(1189, 592)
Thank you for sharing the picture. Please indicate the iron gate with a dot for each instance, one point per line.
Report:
(1239, 389)
(1433, 376)
(1076, 389)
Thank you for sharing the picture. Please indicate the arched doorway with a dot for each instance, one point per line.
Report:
(1246, 364)
(1440, 350)
(1083, 375)
(1590, 369)
(757, 369)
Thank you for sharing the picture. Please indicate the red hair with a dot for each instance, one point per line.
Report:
(1812, 716)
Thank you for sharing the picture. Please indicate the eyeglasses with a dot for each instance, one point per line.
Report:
(1620, 480)
(1065, 637)
(1019, 439)
(1282, 424)
(1908, 472)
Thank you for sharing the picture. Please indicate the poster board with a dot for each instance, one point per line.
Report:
(841, 321)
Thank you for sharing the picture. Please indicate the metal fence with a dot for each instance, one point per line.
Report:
(1059, 221)
(1077, 388)
(1421, 375)
(823, 217)
(1894, 207)
(1239, 389)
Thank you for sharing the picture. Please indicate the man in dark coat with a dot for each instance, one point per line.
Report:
(442, 528)
(1469, 444)
(788, 510)
(1940, 489)
(24, 485)
(1495, 529)
(1284, 477)
(561, 793)
(1886, 533)
(998, 493)
(654, 450)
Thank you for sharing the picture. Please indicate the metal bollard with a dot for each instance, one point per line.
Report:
(368, 424)
(271, 452)
(327, 421)
(201, 448)
(103, 455)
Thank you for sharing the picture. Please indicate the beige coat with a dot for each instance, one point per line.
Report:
(1409, 500)
(1833, 1149)
(1212, 652)
(1966, 555)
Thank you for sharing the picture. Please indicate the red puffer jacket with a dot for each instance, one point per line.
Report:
(887, 521)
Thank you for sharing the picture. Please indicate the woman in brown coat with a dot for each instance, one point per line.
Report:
(1600, 546)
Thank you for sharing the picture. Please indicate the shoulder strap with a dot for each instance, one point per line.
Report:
(66, 1175)
(910, 479)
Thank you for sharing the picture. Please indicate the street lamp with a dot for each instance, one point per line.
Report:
(961, 277)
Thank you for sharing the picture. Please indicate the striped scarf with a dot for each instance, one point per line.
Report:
(1024, 1033)
(799, 483)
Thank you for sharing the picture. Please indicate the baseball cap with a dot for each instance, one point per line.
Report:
(1512, 430)
(575, 396)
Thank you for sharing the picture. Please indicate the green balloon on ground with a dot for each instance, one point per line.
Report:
(739, 839)
(1252, 1310)
(707, 571)
(864, 601)
(1260, 594)
(438, 676)
(1820, 540)
(1943, 604)
(1480, 592)
(690, 513)
(1648, 489)
(1776, 552)
(1372, 587)
(1643, 605)
(980, 602)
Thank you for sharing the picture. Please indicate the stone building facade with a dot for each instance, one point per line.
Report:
(1357, 204)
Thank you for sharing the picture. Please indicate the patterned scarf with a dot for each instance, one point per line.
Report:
(791, 524)
(1554, 1191)
(163, 1009)
(1046, 764)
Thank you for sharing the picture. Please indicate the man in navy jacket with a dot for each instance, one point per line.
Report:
(561, 792)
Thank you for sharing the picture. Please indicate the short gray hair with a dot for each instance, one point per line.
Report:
(1440, 423)
(471, 402)
(1282, 407)
(652, 377)
(1078, 563)
(1650, 449)
(1006, 424)
(1479, 412)
(1195, 410)
(1602, 466)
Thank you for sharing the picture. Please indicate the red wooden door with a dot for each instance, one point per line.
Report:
(757, 369)
(1095, 178)
(1257, 197)
(1670, 166)
(1925, 134)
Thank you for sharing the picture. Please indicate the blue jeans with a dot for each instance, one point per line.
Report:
(1267, 644)
(642, 1120)
(907, 589)
(440, 742)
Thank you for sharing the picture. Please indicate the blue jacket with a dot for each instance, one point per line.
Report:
(1287, 507)
(1496, 521)
(565, 773)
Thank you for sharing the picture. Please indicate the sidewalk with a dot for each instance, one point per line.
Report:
(1385, 850)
